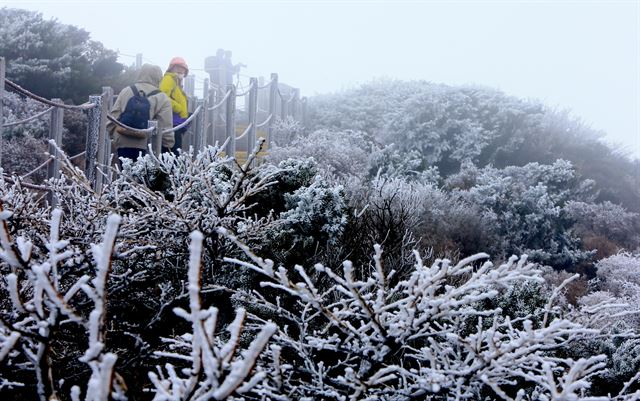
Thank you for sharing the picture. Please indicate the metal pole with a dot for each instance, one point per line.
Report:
(253, 111)
(138, 60)
(93, 133)
(2, 74)
(273, 93)
(55, 134)
(156, 138)
(230, 131)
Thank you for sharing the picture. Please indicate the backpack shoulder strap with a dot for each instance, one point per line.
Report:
(134, 90)
(155, 92)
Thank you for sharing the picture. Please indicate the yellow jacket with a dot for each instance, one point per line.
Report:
(170, 86)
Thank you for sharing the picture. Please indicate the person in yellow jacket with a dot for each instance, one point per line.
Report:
(171, 84)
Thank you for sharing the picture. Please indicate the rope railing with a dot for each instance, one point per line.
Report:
(246, 131)
(29, 119)
(121, 125)
(78, 155)
(98, 142)
(246, 92)
(224, 99)
(268, 84)
(46, 163)
(185, 123)
(265, 121)
(20, 89)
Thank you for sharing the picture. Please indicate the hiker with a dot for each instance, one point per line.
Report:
(131, 107)
(171, 85)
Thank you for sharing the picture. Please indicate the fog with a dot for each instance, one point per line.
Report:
(584, 56)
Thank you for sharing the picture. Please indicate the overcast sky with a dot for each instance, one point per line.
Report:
(580, 55)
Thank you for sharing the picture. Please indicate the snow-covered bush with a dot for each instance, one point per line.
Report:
(286, 131)
(105, 315)
(620, 275)
(361, 333)
(606, 223)
(338, 153)
(524, 207)
(350, 153)
(446, 126)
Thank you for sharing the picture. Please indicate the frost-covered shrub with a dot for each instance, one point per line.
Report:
(606, 221)
(161, 201)
(359, 333)
(316, 212)
(338, 153)
(451, 125)
(524, 207)
(21, 155)
(286, 131)
(130, 316)
(620, 275)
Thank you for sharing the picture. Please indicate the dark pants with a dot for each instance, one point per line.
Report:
(131, 153)
(178, 136)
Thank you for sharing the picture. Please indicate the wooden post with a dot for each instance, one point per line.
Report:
(283, 106)
(293, 108)
(253, 112)
(187, 137)
(138, 61)
(102, 152)
(207, 116)
(273, 94)
(107, 104)
(212, 118)
(303, 104)
(156, 138)
(190, 85)
(2, 73)
(199, 127)
(91, 144)
(55, 134)
(230, 128)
